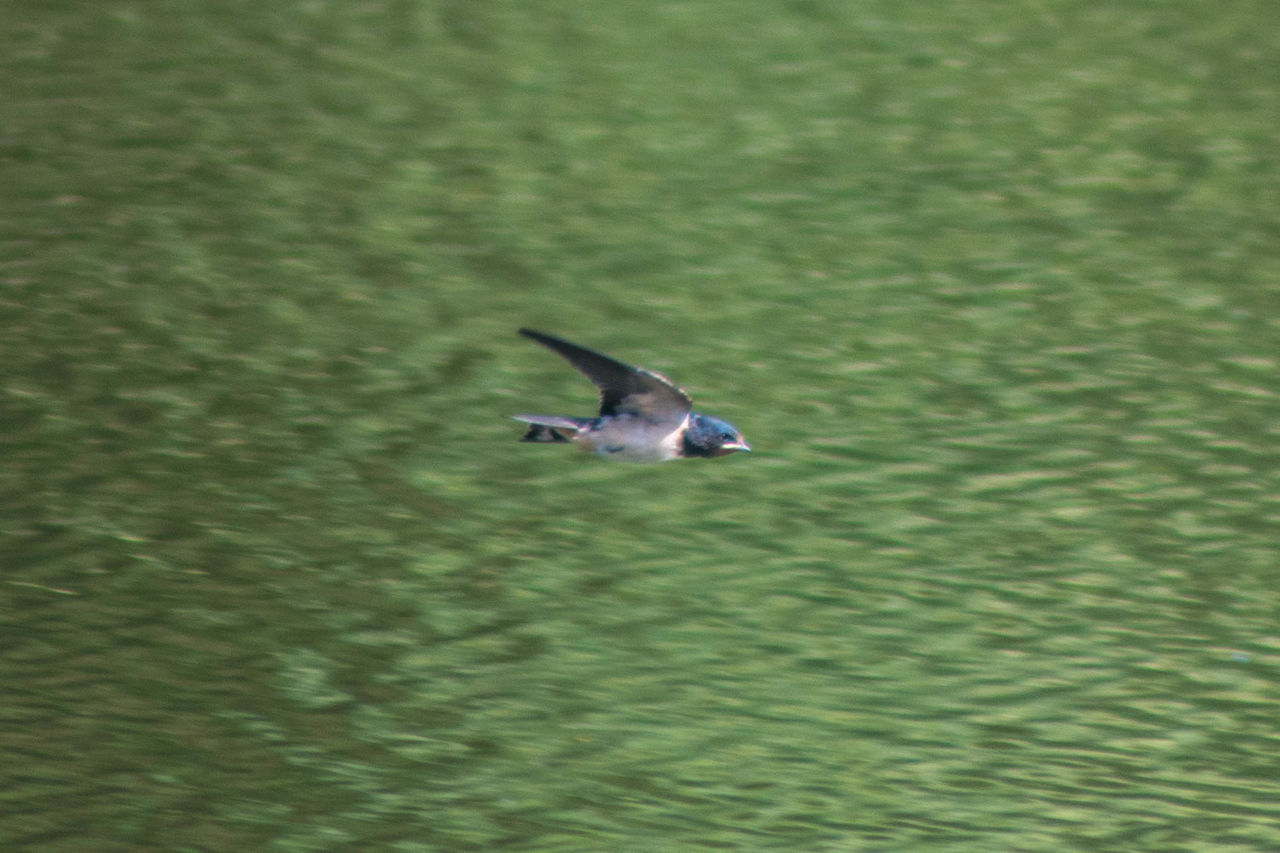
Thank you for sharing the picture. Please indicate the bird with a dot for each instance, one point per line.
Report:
(644, 416)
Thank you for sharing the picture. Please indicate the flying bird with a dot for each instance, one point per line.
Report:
(644, 416)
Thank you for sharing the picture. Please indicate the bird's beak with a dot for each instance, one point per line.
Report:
(736, 445)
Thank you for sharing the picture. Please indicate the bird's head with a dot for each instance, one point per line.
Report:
(708, 436)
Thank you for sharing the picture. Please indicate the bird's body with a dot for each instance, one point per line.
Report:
(625, 437)
(644, 417)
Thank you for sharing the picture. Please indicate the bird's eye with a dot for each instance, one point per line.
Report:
(726, 436)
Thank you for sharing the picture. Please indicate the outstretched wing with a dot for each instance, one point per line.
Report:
(624, 390)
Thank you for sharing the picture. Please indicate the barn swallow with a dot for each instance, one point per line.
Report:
(644, 416)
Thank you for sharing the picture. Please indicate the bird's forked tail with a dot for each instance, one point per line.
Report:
(551, 428)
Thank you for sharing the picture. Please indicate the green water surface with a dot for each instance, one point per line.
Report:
(992, 288)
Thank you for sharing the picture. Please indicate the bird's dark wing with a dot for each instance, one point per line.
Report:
(624, 390)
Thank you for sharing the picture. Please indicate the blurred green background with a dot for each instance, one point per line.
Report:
(992, 288)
